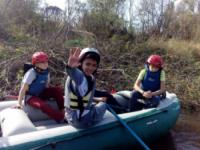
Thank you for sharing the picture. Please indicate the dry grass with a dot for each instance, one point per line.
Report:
(120, 65)
(182, 66)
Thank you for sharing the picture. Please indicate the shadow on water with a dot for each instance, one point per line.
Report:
(164, 143)
(184, 136)
(186, 133)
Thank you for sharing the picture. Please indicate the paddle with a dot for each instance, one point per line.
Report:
(128, 128)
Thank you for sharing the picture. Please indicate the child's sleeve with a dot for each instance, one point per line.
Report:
(162, 76)
(29, 77)
(80, 84)
(141, 74)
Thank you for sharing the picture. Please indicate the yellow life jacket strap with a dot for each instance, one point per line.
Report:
(74, 100)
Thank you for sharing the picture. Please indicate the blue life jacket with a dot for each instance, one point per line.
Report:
(39, 84)
(151, 80)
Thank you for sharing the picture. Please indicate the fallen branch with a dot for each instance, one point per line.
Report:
(118, 70)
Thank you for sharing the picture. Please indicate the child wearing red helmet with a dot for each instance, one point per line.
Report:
(149, 87)
(35, 88)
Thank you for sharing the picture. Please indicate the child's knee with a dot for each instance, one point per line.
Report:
(101, 107)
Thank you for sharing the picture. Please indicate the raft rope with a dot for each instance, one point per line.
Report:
(52, 145)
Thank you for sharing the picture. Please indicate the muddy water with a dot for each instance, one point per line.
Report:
(184, 136)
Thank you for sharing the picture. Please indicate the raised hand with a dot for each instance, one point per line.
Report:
(73, 60)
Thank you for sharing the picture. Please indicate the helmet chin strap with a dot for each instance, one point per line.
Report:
(40, 70)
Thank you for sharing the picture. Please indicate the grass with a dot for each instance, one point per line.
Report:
(124, 61)
(182, 66)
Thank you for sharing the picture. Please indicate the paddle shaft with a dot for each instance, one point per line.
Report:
(128, 128)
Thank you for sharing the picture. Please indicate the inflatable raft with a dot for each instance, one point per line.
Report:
(24, 130)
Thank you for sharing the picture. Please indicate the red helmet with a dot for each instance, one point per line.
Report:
(39, 57)
(155, 60)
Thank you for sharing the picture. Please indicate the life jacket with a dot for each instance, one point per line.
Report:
(74, 100)
(39, 84)
(151, 80)
(80, 103)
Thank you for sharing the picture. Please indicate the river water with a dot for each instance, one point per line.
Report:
(184, 136)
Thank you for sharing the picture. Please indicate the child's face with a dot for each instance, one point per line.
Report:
(89, 66)
(153, 68)
(42, 65)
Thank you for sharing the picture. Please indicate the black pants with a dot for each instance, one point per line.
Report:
(111, 101)
(137, 105)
